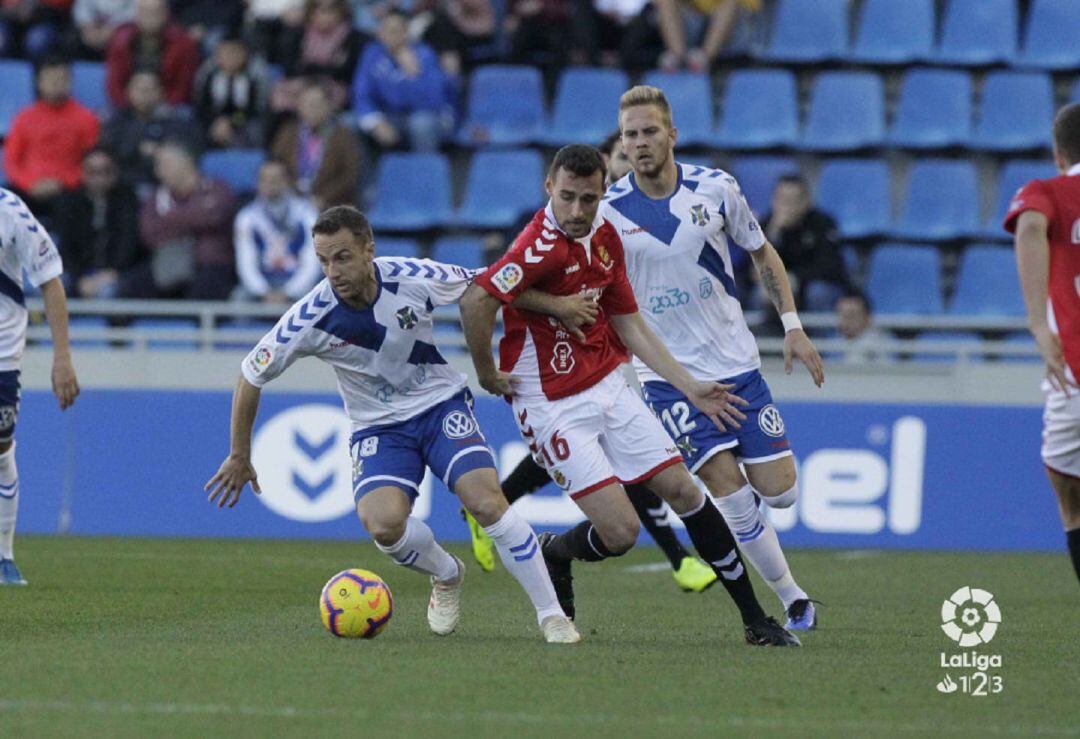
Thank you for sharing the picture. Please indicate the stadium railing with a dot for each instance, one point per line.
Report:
(233, 327)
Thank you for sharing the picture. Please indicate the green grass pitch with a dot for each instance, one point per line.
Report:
(201, 638)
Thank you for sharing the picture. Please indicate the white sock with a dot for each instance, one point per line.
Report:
(520, 554)
(758, 543)
(9, 502)
(419, 551)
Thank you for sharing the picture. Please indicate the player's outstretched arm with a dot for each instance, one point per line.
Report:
(237, 470)
(714, 398)
(478, 311)
(65, 384)
(775, 282)
(1033, 264)
(573, 311)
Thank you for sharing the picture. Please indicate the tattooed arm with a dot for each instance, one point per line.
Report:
(774, 278)
(774, 281)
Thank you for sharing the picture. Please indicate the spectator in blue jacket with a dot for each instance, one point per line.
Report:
(400, 93)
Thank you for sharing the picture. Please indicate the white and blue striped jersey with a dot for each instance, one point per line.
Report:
(24, 244)
(388, 368)
(274, 248)
(678, 260)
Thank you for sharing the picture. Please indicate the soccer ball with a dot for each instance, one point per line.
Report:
(356, 604)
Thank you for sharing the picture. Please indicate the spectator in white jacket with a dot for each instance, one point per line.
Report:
(274, 254)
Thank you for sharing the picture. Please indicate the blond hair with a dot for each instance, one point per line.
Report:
(646, 95)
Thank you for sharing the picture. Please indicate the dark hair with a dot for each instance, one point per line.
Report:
(332, 220)
(608, 145)
(53, 60)
(578, 159)
(793, 178)
(853, 293)
(1067, 132)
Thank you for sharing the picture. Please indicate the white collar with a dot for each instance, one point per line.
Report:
(1075, 169)
(551, 221)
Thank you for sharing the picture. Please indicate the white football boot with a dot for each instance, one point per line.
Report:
(444, 608)
(559, 630)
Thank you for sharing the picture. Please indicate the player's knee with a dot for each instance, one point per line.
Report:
(786, 499)
(621, 537)
(487, 506)
(384, 528)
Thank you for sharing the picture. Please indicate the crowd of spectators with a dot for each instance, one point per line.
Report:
(322, 86)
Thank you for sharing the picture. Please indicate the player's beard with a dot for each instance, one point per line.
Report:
(654, 166)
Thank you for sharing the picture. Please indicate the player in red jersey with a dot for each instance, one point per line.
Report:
(1045, 218)
(574, 407)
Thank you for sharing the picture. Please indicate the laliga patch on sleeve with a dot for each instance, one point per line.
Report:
(507, 278)
(261, 359)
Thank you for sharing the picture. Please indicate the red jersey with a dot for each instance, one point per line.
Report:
(1058, 198)
(536, 348)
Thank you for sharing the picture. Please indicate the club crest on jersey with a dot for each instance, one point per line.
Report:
(562, 361)
(686, 446)
(705, 288)
(507, 278)
(699, 214)
(560, 479)
(406, 318)
(770, 422)
(605, 257)
(458, 425)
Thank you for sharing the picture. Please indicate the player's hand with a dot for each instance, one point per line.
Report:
(65, 385)
(717, 401)
(575, 311)
(500, 383)
(1053, 356)
(228, 483)
(798, 344)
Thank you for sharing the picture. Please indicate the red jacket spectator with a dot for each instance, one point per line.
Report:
(176, 65)
(48, 141)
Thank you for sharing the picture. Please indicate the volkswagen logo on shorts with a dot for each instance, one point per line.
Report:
(770, 421)
(458, 425)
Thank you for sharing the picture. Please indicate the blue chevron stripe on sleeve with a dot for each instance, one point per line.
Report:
(305, 313)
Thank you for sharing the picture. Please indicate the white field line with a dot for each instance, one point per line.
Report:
(111, 708)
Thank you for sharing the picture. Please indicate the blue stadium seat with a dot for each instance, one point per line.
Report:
(905, 279)
(18, 85)
(757, 176)
(395, 247)
(942, 201)
(690, 96)
(894, 33)
(760, 110)
(809, 31)
(464, 251)
(1050, 36)
(502, 186)
(978, 32)
(934, 109)
(1017, 108)
(856, 192)
(987, 283)
(165, 333)
(586, 105)
(962, 338)
(1014, 175)
(238, 167)
(413, 192)
(505, 107)
(88, 85)
(847, 111)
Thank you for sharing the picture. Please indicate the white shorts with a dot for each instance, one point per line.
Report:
(1061, 430)
(599, 436)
